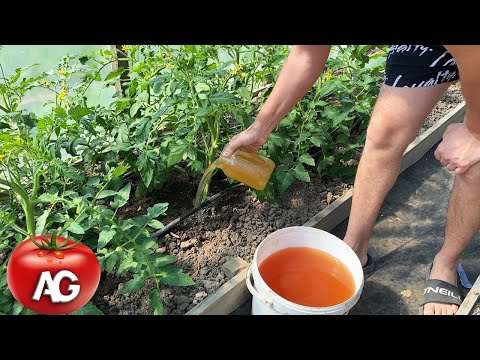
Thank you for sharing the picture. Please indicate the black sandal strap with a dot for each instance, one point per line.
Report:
(440, 291)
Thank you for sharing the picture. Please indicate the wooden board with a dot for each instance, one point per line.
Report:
(470, 300)
(234, 292)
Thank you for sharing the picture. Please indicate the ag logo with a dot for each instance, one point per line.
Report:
(52, 281)
(53, 287)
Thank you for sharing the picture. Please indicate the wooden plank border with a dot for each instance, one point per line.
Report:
(234, 292)
(470, 300)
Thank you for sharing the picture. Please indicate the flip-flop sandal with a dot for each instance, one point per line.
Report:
(439, 291)
(369, 267)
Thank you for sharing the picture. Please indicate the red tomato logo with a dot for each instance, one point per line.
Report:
(53, 282)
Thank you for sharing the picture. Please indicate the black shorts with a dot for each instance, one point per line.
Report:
(419, 66)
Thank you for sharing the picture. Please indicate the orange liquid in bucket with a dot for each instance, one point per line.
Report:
(308, 276)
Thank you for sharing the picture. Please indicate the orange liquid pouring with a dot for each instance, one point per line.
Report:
(250, 168)
(308, 277)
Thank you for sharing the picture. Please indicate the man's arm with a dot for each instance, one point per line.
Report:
(302, 68)
(460, 147)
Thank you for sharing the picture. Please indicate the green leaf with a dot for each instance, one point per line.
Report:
(162, 111)
(87, 309)
(157, 210)
(244, 92)
(122, 196)
(126, 264)
(157, 86)
(376, 62)
(316, 141)
(223, 98)
(327, 88)
(163, 260)
(171, 275)
(105, 237)
(17, 308)
(340, 117)
(76, 228)
(146, 242)
(287, 180)
(78, 112)
(307, 159)
(134, 108)
(41, 221)
(202, 112)
(119, 170)
(196, 165)
(156, 303)
(147, 176)
(83, 60)
(60, 112)
(49, 198)
(142, 161)
(114, 73)
(201, 87)
(111, 261)
(176, 153)
(133, 285)
(155, 224)
(301, 173)
(106, 193)
(94, 181)
(143, 130)
(190, 48)
(141, 190)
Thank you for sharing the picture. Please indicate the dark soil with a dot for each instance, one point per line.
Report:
(232, 226)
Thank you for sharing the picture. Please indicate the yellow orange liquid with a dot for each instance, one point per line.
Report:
(308, 277)
(251, 169)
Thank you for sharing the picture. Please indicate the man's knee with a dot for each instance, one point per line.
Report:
(398, 115)
(384, 137)
(471, 177)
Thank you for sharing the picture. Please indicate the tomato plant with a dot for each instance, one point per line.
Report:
(33, 274)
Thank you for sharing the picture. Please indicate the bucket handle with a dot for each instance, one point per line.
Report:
(254, 291)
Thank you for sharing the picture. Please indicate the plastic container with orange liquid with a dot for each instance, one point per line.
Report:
(250, 168)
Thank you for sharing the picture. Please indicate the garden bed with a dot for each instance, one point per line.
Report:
(231, 227)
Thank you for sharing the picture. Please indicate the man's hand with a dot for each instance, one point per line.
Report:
(248, 140)
(459, 149)
(302, 68)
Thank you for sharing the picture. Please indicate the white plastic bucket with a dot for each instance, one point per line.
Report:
(266, 302)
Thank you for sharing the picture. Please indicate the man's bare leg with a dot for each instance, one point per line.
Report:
(397, 117)
(463, 222)
(463, 216)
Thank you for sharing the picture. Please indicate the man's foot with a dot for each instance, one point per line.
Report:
(369, 267)
(446, 271)
(368, 264)
(361, 251)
